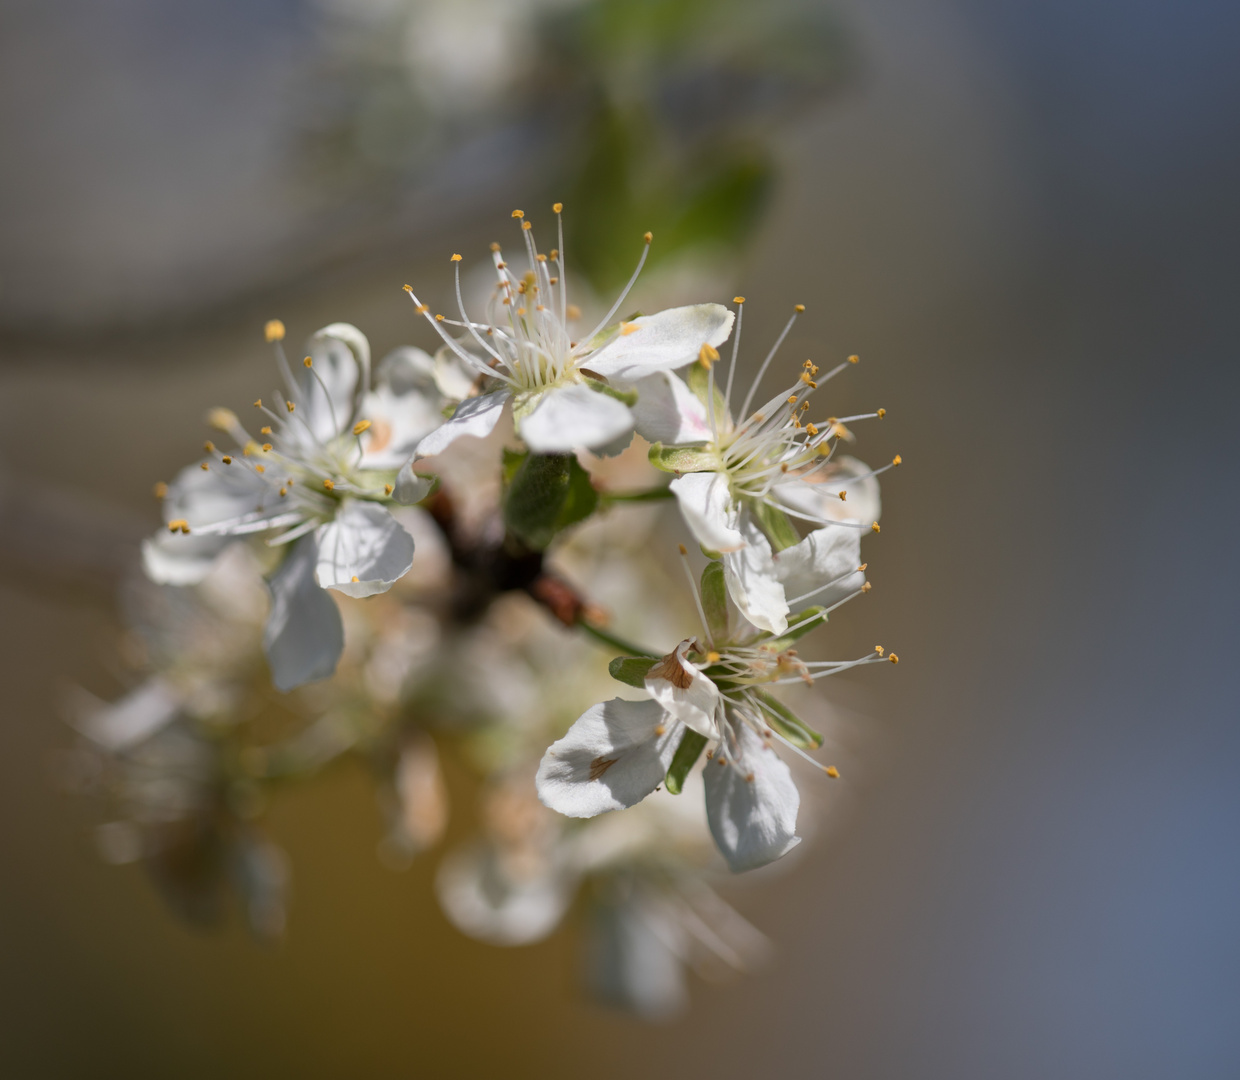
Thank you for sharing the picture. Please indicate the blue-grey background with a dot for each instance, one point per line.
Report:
(1024, 216)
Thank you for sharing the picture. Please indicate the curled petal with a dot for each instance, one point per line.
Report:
(668, 412)
(304, 635)
(363, 551)
(751, 802)
(684, 693)
(474, 416)
(332, 392)
(615, 755)
(753, 581)
(661, 342)
(708, 510)
(567, 418)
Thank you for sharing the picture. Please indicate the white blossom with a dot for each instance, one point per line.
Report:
(567, 392)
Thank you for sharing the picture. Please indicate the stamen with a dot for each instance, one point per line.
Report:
(274, 331)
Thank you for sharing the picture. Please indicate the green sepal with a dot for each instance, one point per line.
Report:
(511, 461)
(782, 719)
(715, 600)
(628, 397)
(631, 670)
(680, 459)
(690, 749)
(775, 525)
(546, 493)
(698, 380)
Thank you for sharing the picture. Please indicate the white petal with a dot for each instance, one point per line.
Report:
(708, 510)
(133, 719)
(398, 422)
(454, 378)
(363, 551)
(754, 820)
(341, 356)
(410, 488)
(633, 947)
(753, 581)
(819, 495)
(474, 416)
(694, 704)
(174, 559)
(567, 418)
(494, 903)
(304, 635)
(204, 497)
(826, 557)
(661, 342)
(612, 757)
(667, 411)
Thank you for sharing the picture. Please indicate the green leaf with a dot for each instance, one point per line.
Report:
(631, 670)
(546, 493)
(775, 525)
(690, 749)
(715, 600)
(787, 723)
(680, 459)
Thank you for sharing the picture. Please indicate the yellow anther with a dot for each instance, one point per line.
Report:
(554, 280)
(808, 364)
(707, 355)
(290, 406)
(502, 266)
(659, 729)
(866, 587)
(226, 460)
(222, 419)
(713, 657)
(861, 568)
(360, 426)
(683, 550)
(783, 466)
(283, 492)
(388, 489)
(289, 481)
(258, 404)
(209, 446)
(893, 658)
(308, 361)
(854, 359)
(557, 207)
(875, 527)
(439, 318)
(264, 431)
(832, 772)
(422, 309)
(518, 213)
(882, 413)
(896, 460)
(573, 312)
(249, 448)
(805, 378)
(330, 485)
(160, 489)
(648, 237)
(738, 299)
(627, 328)
(408, 289)
(455, 258)
(799, 308)
(540, 307)
(811, 429)
(494, 246)
(555, 254)
(541, 257)
(792, 399)
(260, 468)
(274, 331)
(843, 496)
(205, 467)
(880, 650)
(356, 578)
(527, 224)
(520, 311)
(177, 524)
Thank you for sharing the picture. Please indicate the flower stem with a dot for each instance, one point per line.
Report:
(625, 647)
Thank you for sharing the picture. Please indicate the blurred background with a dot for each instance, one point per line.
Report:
(1024, 217)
